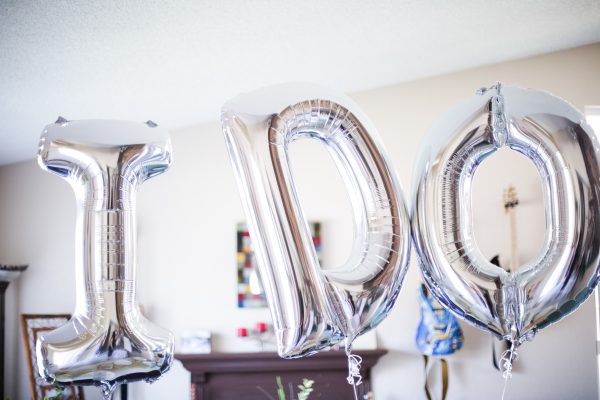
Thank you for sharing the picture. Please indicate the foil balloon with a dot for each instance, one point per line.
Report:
(564, 150)
(313, 308)
(107, 341)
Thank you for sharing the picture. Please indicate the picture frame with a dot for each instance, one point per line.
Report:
(31, 327)
(250, 293)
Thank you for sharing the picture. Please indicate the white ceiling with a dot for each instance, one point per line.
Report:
(177, 62)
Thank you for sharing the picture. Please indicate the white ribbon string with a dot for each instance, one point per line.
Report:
(354, 361)
(506, 360)
(354, 377)
(506, 363)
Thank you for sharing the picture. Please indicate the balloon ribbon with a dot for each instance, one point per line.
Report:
(444, 367)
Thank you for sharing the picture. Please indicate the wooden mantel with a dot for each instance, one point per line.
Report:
(231, 376)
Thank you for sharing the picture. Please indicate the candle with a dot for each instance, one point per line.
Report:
(261, 327)
(242, 332)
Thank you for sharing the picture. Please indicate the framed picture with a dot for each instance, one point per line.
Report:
(32, 325)
(250, 292)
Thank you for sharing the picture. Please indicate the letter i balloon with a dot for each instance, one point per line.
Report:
(108, 341)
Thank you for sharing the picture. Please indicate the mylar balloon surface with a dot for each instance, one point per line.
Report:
(564, 150)
(107, 341)
(313, 308)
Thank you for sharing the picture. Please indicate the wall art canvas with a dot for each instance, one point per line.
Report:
(250, 291)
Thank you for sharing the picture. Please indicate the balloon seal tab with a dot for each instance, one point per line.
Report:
(354, 362)
(61, 120)
(107, 389)
(497, 117)
(483, 90)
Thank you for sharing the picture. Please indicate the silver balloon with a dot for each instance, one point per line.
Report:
(107, 341)
(314, 308)
(564, 149)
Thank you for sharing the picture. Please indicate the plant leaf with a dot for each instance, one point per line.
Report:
(280, 390)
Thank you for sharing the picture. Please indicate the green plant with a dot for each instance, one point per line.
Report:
(280, 389)
(58, 395)
(304, 390)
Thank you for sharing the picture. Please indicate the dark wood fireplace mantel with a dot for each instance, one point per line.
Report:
(231, 376)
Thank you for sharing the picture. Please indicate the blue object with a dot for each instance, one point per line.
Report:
(438, 332)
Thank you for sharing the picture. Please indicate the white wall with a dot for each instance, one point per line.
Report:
(187, 217)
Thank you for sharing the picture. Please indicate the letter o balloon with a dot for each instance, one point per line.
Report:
(565, 151)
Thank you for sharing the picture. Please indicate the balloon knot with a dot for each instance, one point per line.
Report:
(354, 361)
(506, 361)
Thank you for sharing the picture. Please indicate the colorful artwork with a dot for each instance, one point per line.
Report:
(250, 292)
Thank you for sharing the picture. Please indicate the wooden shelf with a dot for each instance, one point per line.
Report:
(226, 376)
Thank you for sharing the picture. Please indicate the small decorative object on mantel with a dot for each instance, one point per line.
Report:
(195, 342)
(8, 273)
(262, 333)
